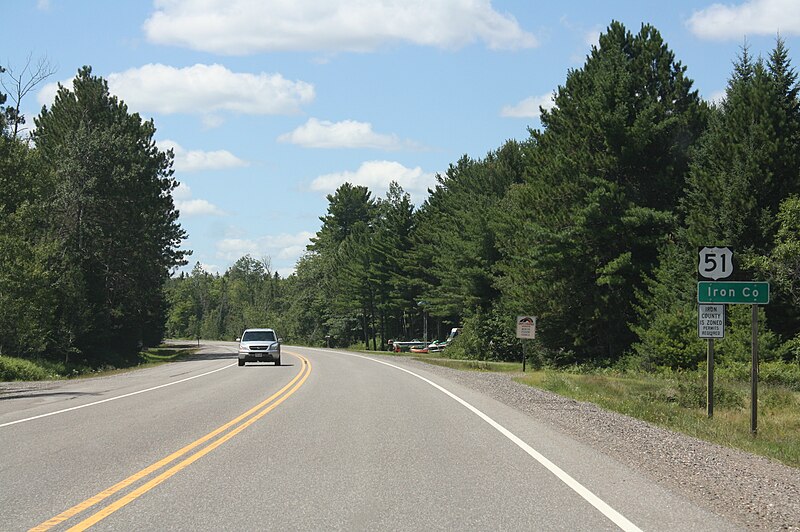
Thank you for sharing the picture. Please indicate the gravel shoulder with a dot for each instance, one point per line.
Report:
(757, 492)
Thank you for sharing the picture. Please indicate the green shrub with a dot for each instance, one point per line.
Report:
(780, 373)
(18, 369)
(737, 344)
(735, 371)
(778, 398)
(466, 346)
(790, 350)
(555, 382)
(670, 339)
(496, 333)
(776, 372)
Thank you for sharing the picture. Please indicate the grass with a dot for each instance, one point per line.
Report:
(679, 404)
(19, 369)
(168, 353)
(675, 401)
(470, 365)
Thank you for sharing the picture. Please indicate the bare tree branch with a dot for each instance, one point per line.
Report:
(19, 83)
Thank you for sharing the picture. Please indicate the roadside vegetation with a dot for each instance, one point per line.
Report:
(88, 231)
(21, 369)
(592, 224)
(676, 400)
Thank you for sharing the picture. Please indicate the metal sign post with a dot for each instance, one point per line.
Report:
(710, 379)
(754, 376)
(710, 325)
(524, 356)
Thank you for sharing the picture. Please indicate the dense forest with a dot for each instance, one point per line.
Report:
(88, 229)
(592, 224)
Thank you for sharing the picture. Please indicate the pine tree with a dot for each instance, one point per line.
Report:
(456, 241)
(111, 211)
(605, 175)
(743, 167)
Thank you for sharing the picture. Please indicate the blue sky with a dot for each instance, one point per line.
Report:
(270, 105)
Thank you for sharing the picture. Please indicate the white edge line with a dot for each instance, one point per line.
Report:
(113, 398)
(616, 517)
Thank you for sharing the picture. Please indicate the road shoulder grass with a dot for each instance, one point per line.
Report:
(19, 369)
(675, 401)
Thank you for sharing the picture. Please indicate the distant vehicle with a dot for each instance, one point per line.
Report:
(417, 346)
(455, 331)
(259, 345)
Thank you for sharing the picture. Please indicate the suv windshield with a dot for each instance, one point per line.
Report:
(258, 336)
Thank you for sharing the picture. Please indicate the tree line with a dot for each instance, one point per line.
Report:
(592, 224)
(88, 230)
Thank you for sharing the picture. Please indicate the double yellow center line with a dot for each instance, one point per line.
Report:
(188, 454)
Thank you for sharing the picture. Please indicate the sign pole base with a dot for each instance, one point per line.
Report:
(524, 356)
(710, 379)
(754, 375)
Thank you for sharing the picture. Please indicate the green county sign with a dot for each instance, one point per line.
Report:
(741, 292)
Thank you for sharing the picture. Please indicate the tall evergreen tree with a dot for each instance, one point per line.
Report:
(392, 272)
(112, 212)
(339, 251)
(606, 173)
(348, 206)
(749, 161)
(747, 165)
(456, 241)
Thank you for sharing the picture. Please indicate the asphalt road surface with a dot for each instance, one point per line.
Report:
(328, 440)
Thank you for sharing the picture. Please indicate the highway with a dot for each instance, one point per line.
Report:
(329, 440)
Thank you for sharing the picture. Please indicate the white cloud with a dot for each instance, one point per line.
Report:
(592, 37)
(346, 134)
(182, 192)
(376, 175)
(182, 196)
(198, 207)
(753, 17)
(717, 97)
(250, 26)
(212, 121)
(210, 268)
(529, 107)
(279, 247)
(202, 89)
(195, 160)
(233, 248)
(285, 272)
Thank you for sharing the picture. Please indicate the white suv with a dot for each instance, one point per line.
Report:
(259, 345)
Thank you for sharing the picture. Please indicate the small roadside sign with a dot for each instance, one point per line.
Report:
(711, 321)
(526, 327)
